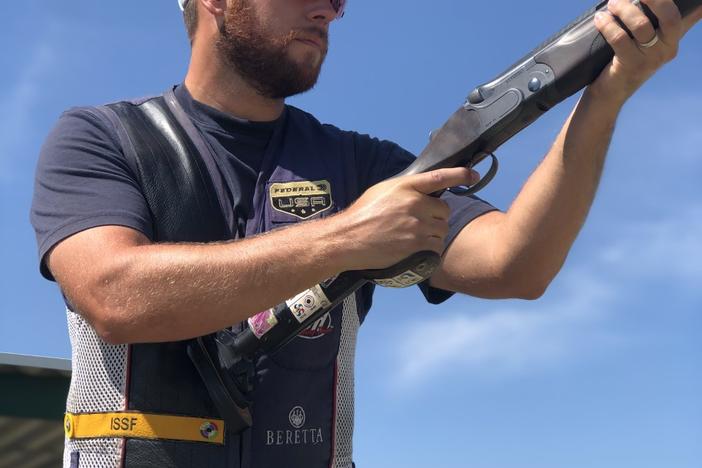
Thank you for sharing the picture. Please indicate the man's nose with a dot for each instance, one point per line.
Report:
(321, 11)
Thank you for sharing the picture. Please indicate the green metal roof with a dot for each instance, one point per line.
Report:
(33, 390)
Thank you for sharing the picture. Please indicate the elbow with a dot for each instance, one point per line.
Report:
(110, 324)
(111, 330)
(504, 286)
(107, 323)
(526, 283)
(109, 313)
(525, 274)
(109, 334)
(530, 291)
(516, 287)
(98, 275)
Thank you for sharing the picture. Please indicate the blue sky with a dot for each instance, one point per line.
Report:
(605, 370)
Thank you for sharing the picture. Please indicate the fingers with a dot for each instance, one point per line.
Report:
(404, 218)
(632, 52)
(670, 28)
(615, 36)
(670, 25)
(634, 19)
(440, 179)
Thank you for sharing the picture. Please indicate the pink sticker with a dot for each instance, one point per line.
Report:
(262, 322)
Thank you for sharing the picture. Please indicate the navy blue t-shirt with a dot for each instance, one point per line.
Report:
(83, 179)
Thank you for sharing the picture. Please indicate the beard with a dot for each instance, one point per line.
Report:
(262, 59)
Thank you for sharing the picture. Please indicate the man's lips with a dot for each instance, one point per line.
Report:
(312, 36)
(311, 41)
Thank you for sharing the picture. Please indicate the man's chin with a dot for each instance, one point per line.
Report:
(296, 81)
(304, 84)
(306, 74)
(306, 55)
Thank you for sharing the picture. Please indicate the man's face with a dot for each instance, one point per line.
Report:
(277, 46)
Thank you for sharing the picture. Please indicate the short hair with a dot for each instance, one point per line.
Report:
(190, 18)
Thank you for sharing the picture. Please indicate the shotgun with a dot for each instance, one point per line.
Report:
(492, 114)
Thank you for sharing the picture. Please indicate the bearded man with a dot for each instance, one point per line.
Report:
(132, 300)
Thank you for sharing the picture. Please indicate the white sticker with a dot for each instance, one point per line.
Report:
(404, 280)
(307, 303)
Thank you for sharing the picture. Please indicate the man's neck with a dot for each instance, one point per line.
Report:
(217, 85)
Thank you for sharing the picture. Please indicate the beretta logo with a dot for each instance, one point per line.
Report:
(301, 199)
(297, 417)
(298, 435)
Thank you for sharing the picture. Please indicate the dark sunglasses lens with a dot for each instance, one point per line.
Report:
(338, 6)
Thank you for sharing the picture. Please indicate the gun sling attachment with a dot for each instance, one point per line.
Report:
(493, 113)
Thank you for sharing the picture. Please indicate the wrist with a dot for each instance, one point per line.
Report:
(606, 105)
(607, 101)
(339, 247)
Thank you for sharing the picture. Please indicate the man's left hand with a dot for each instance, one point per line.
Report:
(634, 62)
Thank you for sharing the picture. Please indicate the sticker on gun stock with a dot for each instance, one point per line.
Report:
(263, 322)
(307, 303)
(404, 280)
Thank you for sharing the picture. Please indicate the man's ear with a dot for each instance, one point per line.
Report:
(214, 10)
(214, 7)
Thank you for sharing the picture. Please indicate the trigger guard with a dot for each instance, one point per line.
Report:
(482, 183)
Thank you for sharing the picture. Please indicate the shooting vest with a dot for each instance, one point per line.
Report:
(147, 402)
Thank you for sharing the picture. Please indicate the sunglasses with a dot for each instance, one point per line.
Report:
(338, 6)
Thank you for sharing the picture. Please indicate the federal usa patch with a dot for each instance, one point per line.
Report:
(301, 199)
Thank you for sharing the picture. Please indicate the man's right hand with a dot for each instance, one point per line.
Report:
(399, 216)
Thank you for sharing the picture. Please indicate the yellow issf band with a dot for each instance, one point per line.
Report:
(143, 426)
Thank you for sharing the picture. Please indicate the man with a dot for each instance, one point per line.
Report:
(124, 289)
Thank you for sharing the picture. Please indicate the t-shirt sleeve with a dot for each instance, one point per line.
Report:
(379, 160)
(83, 181)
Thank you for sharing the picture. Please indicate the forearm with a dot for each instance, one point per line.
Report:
(518, 253)
(545, 218)
(131, 290)
(168, 292)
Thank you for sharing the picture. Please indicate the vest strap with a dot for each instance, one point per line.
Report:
(166, 152)
(136, 425)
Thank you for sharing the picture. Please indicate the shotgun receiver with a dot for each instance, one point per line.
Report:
(492, 114)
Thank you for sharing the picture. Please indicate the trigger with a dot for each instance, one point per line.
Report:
(464, 191)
